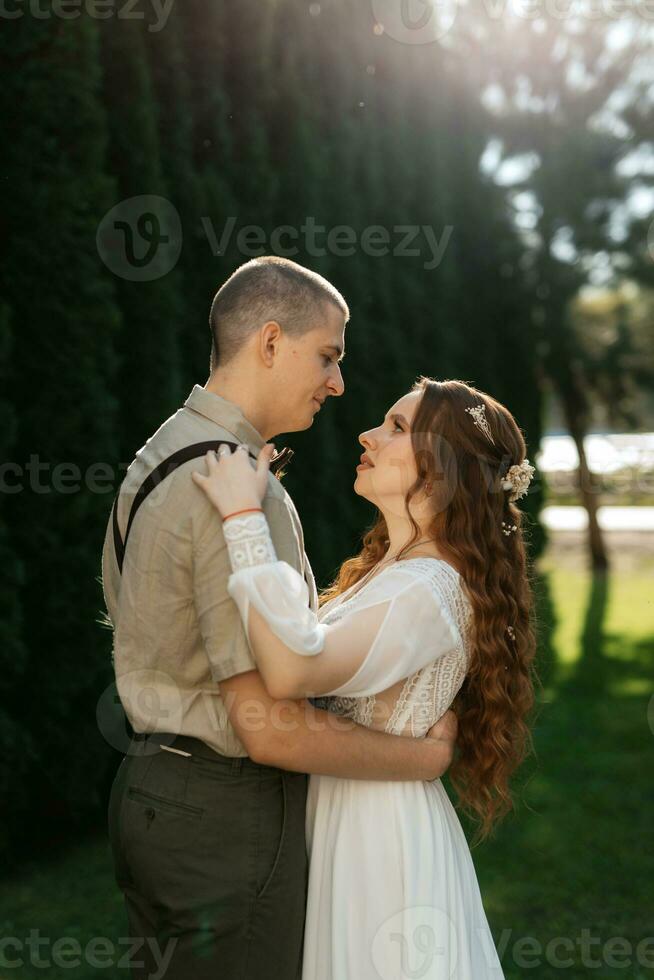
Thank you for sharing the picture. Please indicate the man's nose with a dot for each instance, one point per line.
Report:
(336, 383)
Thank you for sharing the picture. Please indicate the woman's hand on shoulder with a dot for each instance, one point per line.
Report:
(231, 482)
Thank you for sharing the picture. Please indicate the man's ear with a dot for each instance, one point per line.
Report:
(269, 339)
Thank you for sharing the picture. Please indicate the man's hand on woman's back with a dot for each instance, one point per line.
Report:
(444, 733)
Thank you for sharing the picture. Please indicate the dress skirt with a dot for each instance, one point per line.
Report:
(392, 890)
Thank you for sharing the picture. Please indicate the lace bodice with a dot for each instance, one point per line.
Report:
(426, 694)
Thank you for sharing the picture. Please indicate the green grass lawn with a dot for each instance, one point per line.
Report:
(567, 880)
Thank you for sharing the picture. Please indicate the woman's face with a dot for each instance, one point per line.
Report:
(389, 449)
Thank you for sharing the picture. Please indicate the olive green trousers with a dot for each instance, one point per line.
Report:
(210, 855)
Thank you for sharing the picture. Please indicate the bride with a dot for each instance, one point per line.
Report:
(435, 607)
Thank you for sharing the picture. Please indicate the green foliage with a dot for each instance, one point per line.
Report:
(148, 345)
(14, 738)
(60, 380)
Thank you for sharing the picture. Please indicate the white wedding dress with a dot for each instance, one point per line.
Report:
(392, 890)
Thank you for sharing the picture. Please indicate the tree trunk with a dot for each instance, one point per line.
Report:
(588, 490)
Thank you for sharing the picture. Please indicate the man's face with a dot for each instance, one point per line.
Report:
(307, 370)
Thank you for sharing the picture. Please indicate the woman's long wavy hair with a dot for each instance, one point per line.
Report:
(466, 471)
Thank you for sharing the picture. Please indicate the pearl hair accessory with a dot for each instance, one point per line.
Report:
(478, 413)
(508, 528)
(517, 480)
(510, 630)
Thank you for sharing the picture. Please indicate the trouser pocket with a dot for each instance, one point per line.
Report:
(272, 807)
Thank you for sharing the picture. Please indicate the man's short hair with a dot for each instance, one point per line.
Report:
(268, 288)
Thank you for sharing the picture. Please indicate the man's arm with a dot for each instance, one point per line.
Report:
(295, 735)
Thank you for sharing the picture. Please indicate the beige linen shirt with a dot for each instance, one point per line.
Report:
(176, 630)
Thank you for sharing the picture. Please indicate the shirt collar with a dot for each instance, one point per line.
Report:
(225, 414)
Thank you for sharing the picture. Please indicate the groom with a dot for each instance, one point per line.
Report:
(207, 809)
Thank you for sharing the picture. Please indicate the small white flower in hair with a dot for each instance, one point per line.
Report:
(478, 413)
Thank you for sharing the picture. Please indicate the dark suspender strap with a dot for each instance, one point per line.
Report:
(163, 470)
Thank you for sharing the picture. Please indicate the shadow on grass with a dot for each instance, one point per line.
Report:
(592, 669)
